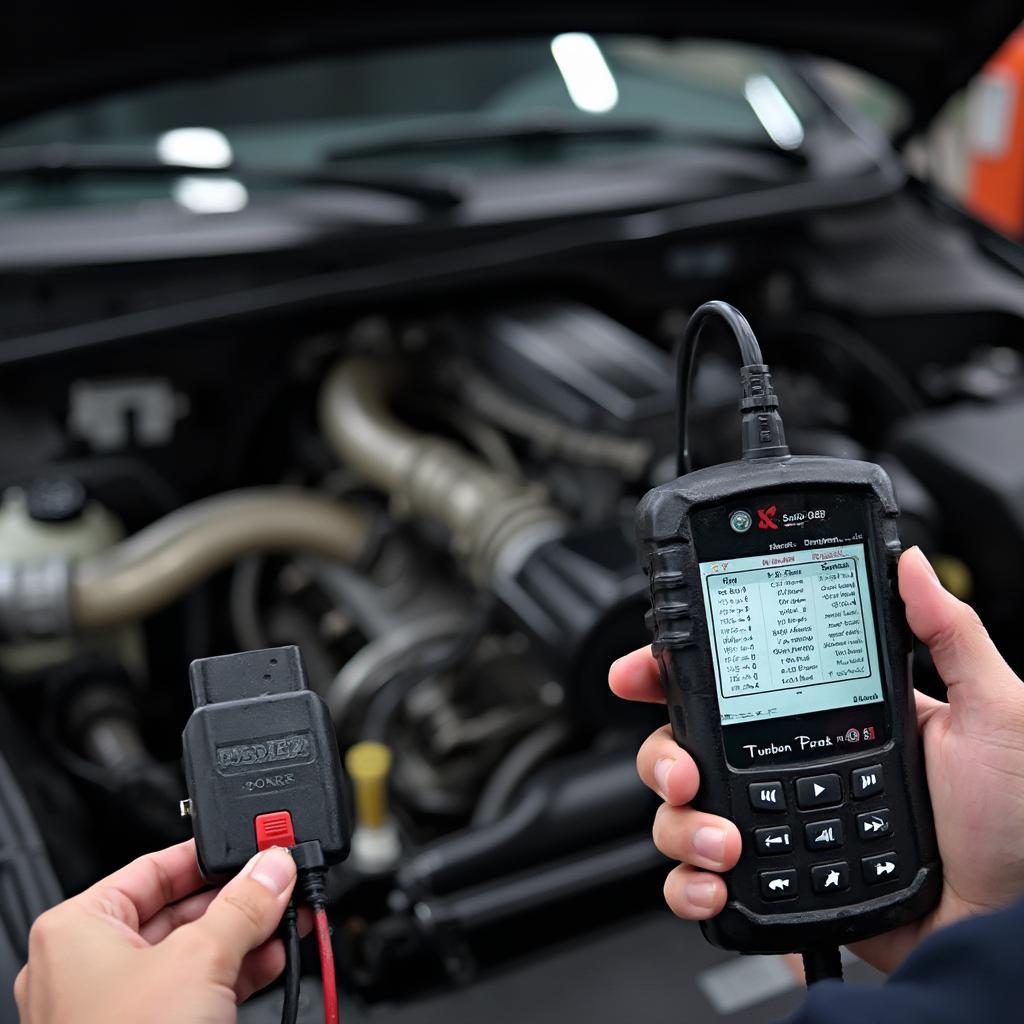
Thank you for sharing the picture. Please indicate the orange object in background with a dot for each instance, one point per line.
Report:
(995, 140)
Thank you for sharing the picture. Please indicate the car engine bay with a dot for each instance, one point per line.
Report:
(430, 490)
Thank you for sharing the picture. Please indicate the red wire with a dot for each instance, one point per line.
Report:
(323, 944)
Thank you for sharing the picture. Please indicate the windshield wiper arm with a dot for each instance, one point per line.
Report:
(530, 134)
(61, 162)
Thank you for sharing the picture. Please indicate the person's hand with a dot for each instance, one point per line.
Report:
(147, 944)
(974, 757)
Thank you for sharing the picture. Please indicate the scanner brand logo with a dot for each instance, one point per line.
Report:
(766, 518)
(293, 748)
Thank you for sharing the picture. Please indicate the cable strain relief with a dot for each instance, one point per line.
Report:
(312, 873)
(314, 890)
(763, 435)
(756, 382)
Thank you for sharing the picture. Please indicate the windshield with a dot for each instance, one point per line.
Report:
(431, 109)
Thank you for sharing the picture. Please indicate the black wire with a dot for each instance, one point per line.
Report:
(390, 696)
(823, 963)
(750, 353)
(292, 964)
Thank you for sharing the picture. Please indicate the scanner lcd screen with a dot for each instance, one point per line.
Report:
(792, 635)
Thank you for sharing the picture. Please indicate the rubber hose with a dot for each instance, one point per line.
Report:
(158, 564)
(518, 765)
(493, 520)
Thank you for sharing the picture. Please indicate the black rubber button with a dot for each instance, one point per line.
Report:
(778, 885)
(865, 782)
(826, 878)
(874, 824)
(824, 835)
(819, 791)
(881, 869)
(767, 796)
(778, 839)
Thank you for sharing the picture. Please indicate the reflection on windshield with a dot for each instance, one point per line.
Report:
(210, 195)
(588, 79)
(198, 147)
(508, 103)
(772, 109)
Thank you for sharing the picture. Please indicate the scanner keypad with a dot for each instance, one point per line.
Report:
(846, 828)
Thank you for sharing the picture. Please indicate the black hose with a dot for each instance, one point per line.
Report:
(292, 965)
(517, 765)
(387, 700)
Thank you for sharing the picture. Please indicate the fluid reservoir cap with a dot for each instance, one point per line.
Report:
(55, 499)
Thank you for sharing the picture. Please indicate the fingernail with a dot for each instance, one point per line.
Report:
(662, 770)
(701, 894)
(923, 559)
(931, 568)
(709, 842)
(274, 869)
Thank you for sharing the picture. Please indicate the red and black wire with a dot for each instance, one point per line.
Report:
(313, 888)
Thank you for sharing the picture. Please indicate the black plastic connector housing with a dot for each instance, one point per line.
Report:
(259, 742)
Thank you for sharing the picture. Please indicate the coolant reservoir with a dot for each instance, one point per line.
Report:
(53, 518)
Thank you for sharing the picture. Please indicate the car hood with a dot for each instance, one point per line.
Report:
(54, 54)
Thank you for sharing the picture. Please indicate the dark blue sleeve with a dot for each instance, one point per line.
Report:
(970, 971)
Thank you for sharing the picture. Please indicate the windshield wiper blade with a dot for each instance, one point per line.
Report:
(531, 134)
(55, 163)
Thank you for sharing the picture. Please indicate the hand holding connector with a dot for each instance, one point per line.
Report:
(151, 943)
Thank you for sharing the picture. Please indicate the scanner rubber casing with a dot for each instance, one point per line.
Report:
(682, 646)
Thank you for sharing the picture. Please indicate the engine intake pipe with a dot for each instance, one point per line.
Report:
(495, 522)
(157, 565)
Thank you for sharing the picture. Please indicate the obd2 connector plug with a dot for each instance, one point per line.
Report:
(262, 769)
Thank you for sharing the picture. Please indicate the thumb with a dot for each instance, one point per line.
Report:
(965, 657)
(243, 915)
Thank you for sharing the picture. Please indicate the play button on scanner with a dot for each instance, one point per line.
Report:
(819, 791)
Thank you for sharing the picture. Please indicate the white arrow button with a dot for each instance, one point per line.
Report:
(818, 791)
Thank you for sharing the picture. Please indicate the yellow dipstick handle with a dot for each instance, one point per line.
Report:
(368, 766)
